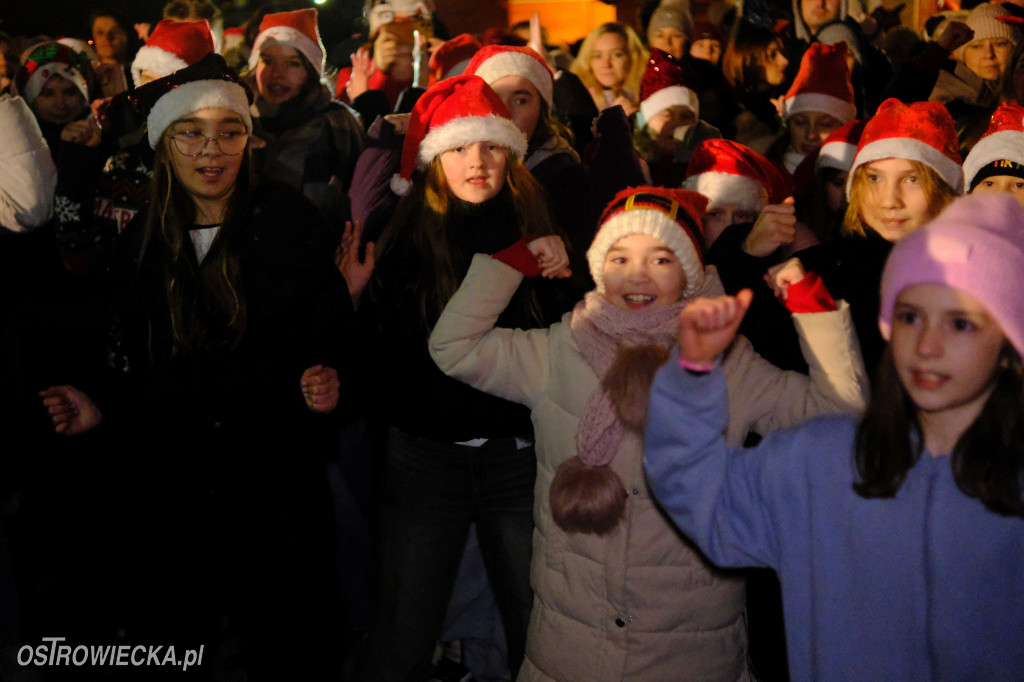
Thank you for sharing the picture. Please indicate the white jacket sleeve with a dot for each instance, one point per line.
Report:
(764, 398)
(509, 363)
(28, 176)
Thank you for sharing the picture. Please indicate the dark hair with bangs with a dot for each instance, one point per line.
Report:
(987, 461)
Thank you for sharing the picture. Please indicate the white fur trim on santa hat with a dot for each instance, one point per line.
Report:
(669, 97)
(836, 154)
(292, 37)
(459, 132)
(656, 224)
(1005, 144)
(912, 150)
(518, 64)
(400, 185)
(155, 59)
(193, 96)
(34, 84)
(729, 189)
(838, 109)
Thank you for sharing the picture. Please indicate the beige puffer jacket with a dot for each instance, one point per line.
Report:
(640, 603)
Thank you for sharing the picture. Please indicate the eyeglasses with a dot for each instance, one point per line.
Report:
(193, 142)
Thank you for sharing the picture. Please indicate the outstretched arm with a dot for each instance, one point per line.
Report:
(509, 363)
(686, 457)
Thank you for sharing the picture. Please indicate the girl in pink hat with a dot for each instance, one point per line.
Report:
(898, 536)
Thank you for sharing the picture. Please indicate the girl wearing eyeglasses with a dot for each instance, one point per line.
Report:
(228, 322)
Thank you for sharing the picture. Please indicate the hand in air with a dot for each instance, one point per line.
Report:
(551, 256)
(775, 226)
(362, 69)
(956, 35)
(320, 388)
(356, 273)
(71, 411)
(708, 325)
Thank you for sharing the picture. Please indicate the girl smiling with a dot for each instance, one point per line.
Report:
(619, 594)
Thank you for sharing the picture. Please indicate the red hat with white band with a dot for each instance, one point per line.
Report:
(453, 113)
(298, 30)
(920, 131)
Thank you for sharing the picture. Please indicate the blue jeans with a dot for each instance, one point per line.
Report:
(432, 492)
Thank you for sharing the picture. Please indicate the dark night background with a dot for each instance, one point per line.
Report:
(70, 17)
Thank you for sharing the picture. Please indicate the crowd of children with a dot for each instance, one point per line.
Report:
(303, 353)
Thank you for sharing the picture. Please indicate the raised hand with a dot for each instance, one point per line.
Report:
(956, 34)
(551, 256)
(320, 388)
(356, 272)
(362, 69)
(71, 411)
(708, 325)
(774, 227)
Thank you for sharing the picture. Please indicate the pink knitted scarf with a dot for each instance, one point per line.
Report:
(605, 333)
(625, 348)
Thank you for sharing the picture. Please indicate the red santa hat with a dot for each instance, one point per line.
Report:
(1003, 141)
(171, 46)
(729, 173)
(453, 113)
(494, 62)
(664, 85)
(839, 148)
(453, 57)
(297, 30)
(670, 215)
(822, 84)
(234, 39)
(921, 131)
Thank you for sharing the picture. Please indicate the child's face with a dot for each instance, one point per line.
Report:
(610, 61)
(475, 172)
(775, 64)
(808, 129)
(894, 202)
(666, 121)
(280, 73)
(946, 348)
(835, 192)
(522, 101)
(59, 101)
(707, 49)
(722, 216)
(1002, 183)
(669, 40)
(640, 272)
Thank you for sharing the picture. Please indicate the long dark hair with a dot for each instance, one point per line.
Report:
(205, 303)
(987, 461)
(422, 222)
